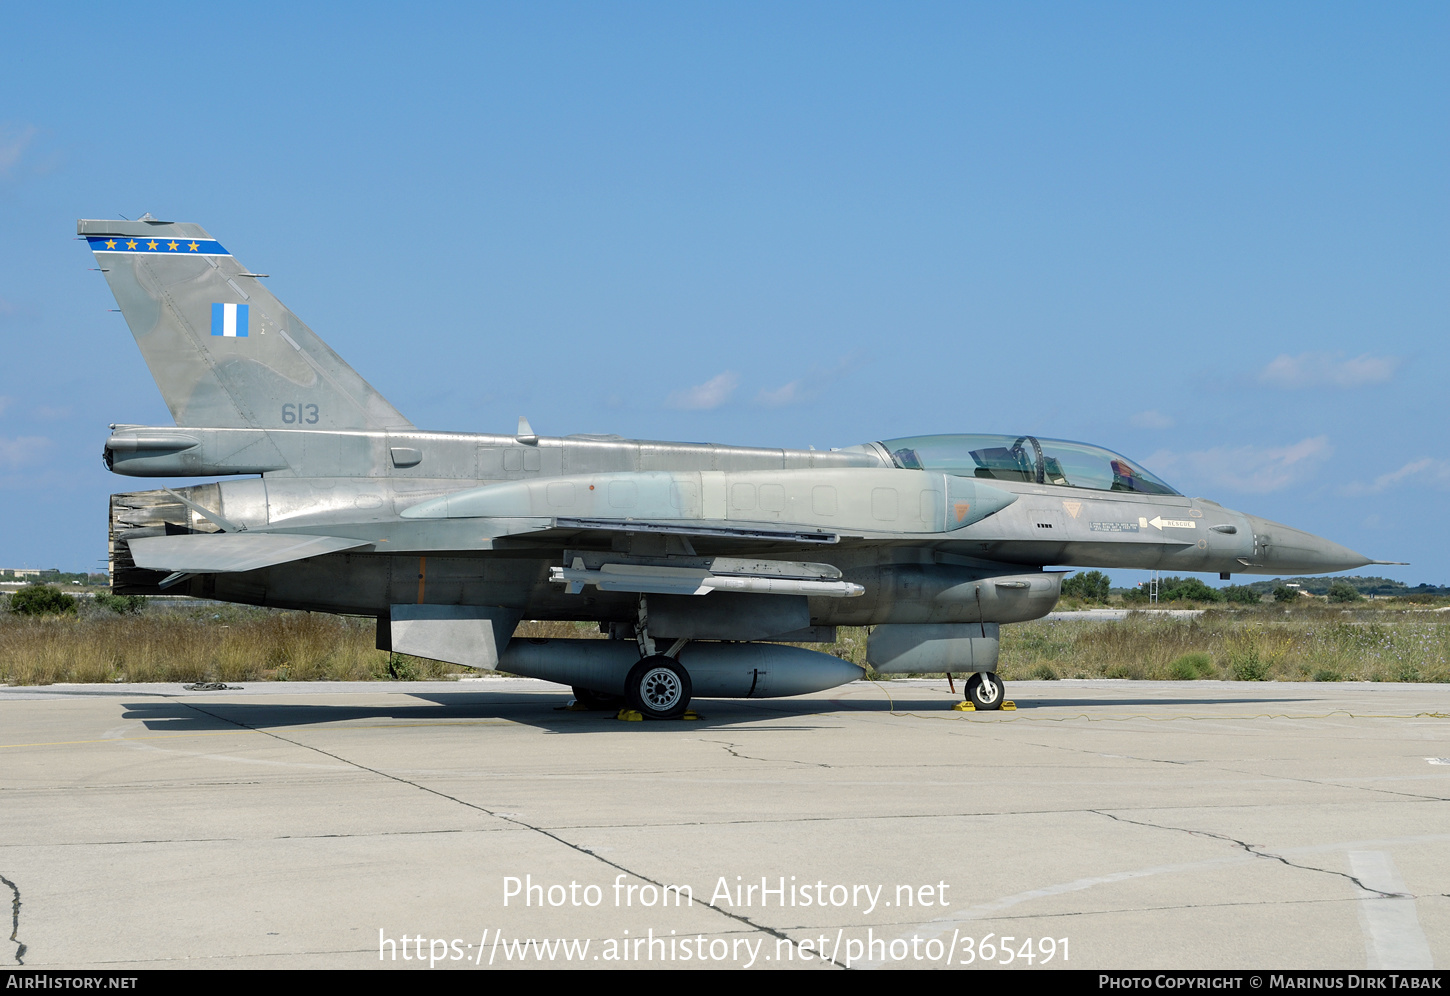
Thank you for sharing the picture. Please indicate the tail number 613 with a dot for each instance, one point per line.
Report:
(292, 414)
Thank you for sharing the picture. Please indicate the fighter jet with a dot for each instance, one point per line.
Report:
(704, 564)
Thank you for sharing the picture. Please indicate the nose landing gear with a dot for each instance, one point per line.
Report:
(986, 691)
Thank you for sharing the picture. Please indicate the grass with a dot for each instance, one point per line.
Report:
(198, 643)
(185, 642)
(1313, 644)
(1383, 640)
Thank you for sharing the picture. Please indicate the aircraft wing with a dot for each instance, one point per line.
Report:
(212, 553)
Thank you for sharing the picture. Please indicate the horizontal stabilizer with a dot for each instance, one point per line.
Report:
(471, 635)
(215, 553)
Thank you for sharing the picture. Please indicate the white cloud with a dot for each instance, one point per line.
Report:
(1254, 469)
(1427, 470)
(786, 394)
(22, 450)
(1328, 370)
(702, 397)
(1152, 420)
(14, 140)
(12, 312)
(807, 388)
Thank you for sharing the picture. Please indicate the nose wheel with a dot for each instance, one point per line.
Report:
(658, 688)
(986, 691)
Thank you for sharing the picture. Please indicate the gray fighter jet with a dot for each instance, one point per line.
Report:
(703, 563)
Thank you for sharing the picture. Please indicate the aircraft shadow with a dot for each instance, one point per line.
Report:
(545, 711)
(1145, 702)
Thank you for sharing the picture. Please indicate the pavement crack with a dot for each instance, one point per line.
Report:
(15, 920)
(730, 749)
(1251, 849)
(1331, 782)
(516, 821)
(1098, 753)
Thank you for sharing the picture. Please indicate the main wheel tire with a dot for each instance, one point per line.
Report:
(658, 687)
(986, 691)
(599, 701)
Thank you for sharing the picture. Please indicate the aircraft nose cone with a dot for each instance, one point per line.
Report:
(1285, 550)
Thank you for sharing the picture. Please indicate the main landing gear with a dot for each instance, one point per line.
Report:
(657, 687)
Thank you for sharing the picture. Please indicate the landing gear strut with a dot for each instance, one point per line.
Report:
(657, 687)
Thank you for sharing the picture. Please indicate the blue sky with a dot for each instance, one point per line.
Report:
(1212, 237)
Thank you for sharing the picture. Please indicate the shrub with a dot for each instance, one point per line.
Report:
(1191, 667)
(121, 604)
(1241, 594)
(41, 600)
(1343, 591)
(1283, 593)
(1090, 587)
(1247, 665)
(1187, 590)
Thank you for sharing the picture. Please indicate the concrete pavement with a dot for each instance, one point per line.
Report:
(1110, 824)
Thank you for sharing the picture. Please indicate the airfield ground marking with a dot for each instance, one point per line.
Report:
(1392, 934)
(771, 931)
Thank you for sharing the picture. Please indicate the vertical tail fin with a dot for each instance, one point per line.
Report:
(223, 350)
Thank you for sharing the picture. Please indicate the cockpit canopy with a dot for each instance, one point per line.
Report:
(1027, 459)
